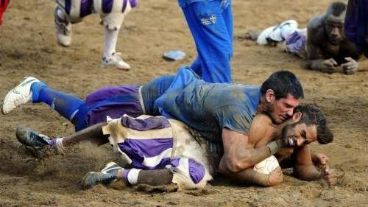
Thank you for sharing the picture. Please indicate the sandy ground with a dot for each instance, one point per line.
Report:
(28, 47)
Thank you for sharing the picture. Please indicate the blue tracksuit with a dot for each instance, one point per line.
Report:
(211, 24)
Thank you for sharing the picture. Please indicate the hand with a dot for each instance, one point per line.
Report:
(275, 177)
(328, 66)
(320, 160)
(350, 67)
(330, 176)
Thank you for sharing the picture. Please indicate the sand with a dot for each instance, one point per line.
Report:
(28, 47)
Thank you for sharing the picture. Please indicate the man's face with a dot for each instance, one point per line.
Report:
(335, 29)
(299, 134)
(282, 109)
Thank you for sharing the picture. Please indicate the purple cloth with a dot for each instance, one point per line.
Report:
(109, 101)
(356, 24)
(154, 152)
(139, 149)
(86, 8)
(295, 43)
(154, 122)
(196, 170)
(107, 6)
(133, 3)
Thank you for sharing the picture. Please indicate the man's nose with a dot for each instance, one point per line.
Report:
(290, 112)
(335, 32)
(299, 141)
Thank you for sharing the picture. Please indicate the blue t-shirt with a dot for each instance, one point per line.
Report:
(154, 89)
(209, 107)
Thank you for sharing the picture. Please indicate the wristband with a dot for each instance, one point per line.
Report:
(273, 147)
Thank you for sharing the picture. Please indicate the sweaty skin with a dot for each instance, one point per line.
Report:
(328, 50)
(306, 165)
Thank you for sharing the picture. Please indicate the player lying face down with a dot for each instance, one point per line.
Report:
(328, 50)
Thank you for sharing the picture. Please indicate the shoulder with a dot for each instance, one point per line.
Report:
(261, 128)
(315, 30)
(315, 23)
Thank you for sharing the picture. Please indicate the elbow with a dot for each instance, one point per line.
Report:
(235, 165)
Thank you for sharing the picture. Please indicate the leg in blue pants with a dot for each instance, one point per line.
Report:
(211, 24)
(65, 104)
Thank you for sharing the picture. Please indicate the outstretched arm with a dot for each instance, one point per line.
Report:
(304, 167)
(93, 134)
(250, 176)
(313, 166)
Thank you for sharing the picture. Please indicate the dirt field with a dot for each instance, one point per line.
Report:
(28, 47)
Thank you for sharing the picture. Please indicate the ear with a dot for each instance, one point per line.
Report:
(270, 96)
(297, 116)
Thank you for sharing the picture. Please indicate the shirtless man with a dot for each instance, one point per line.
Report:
(323, 44)
(308, 124)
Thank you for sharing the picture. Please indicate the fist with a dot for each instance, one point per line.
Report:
(350, 67)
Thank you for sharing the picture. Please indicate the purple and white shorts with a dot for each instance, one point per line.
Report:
(154, 142)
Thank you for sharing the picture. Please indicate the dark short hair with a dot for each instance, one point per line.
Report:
(283, 83)
(312, 114)
(336, 8)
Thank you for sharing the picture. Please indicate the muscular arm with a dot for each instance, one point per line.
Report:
(250, 176)
(240, 151)
(239, 154)
(304, 167)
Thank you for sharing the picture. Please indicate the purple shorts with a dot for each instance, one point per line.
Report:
(296, 43)
(109, 101)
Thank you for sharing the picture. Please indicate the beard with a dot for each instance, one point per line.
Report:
(285, 137)
(269, 112)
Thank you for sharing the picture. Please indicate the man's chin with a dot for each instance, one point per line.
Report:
(335, 41)
(279, 121)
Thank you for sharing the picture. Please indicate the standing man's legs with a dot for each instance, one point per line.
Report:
(211, 27)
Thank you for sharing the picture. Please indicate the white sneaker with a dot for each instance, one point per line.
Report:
(63, 30)
(19, 95)
(277, 33)
(115, 61)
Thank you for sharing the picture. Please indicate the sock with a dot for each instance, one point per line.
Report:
(57, 143)
(111, 38)
(65, 104)
(131, 176)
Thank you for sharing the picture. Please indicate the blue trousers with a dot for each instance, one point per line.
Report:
(211, 25)
(356, 24)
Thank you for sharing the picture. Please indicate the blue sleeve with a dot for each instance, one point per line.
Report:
(236, 118)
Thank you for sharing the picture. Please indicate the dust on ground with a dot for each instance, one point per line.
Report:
(28, 47)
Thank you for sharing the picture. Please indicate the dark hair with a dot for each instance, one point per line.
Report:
(336, 8)
(283, 83)
(312, 114)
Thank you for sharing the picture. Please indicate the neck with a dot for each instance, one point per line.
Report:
(262, 106)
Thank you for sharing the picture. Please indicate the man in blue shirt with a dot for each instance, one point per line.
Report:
(211, 25)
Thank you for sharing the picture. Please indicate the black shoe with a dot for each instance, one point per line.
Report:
(106, 176)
